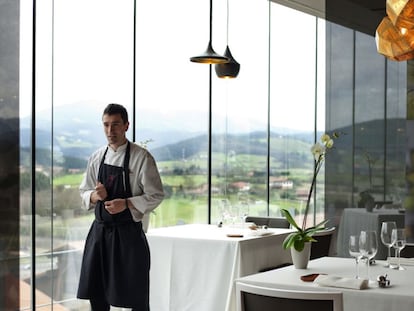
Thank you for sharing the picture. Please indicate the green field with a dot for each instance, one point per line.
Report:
(186, 192)
(68, 180)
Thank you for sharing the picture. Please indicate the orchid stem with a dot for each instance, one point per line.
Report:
(315, 174)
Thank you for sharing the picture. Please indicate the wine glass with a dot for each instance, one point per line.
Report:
(399, 240)
(386, 230)
(353, 247)
(243, 210)
(368, 246)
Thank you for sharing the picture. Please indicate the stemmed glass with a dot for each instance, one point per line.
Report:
(386, 230)
(368, 246)
(399, 240)
(353, 247)
(243, 210)
(227, 215)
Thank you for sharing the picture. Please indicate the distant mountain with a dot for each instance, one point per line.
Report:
(78, 129)
(254, 143)
(78, 132)
(82, 121)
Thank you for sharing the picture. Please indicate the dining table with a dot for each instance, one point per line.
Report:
(398, 296)
(354, 220)
(194, 266)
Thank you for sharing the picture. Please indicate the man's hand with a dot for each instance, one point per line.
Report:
(115, 206)
(99, 194)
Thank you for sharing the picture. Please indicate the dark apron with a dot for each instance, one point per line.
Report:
(116, 259)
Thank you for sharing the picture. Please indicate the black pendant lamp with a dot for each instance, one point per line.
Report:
(209, 56)
(230, 69)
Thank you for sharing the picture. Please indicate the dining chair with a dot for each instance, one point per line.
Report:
(323, 247)
(270, 222)
(257, 298)
(408, 250)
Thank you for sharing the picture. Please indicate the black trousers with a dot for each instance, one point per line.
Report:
(102, 305)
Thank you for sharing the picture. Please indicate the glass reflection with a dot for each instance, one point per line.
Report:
(92, 65)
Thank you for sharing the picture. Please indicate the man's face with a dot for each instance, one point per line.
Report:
(114, 128)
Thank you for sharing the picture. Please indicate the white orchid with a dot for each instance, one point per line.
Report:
(318, 150)
(327, 140)
(303, 234)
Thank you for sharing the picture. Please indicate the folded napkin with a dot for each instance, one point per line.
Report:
(339, 281)
(259, 232)
(404, 261)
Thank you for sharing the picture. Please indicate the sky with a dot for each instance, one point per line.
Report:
(92, 58)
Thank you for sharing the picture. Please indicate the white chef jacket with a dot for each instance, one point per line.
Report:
(146, 185)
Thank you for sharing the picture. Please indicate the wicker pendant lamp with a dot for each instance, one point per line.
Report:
(394, 36)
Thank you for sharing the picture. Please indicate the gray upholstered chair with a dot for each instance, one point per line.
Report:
(257, 298)
(270, 222)
(408, 251)
(323, 247)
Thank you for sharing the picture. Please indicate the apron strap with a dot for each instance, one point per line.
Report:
(127, 184)
(101, 166)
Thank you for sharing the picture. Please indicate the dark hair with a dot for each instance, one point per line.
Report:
(117, 109)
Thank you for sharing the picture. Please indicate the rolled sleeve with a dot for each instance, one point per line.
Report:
(147, 187)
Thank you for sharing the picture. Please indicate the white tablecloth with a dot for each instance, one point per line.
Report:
(354, 220)
(398, 297)
(193, 267)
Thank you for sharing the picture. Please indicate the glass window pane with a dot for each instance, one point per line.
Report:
(369, 123)
(339, 117)
(10, 256)
(172, 104)
(293, 110)
(92, 66)
(240, 116)
(396, 135)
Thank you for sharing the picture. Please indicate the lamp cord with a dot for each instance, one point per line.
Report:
(211, 19)
(227, 31)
